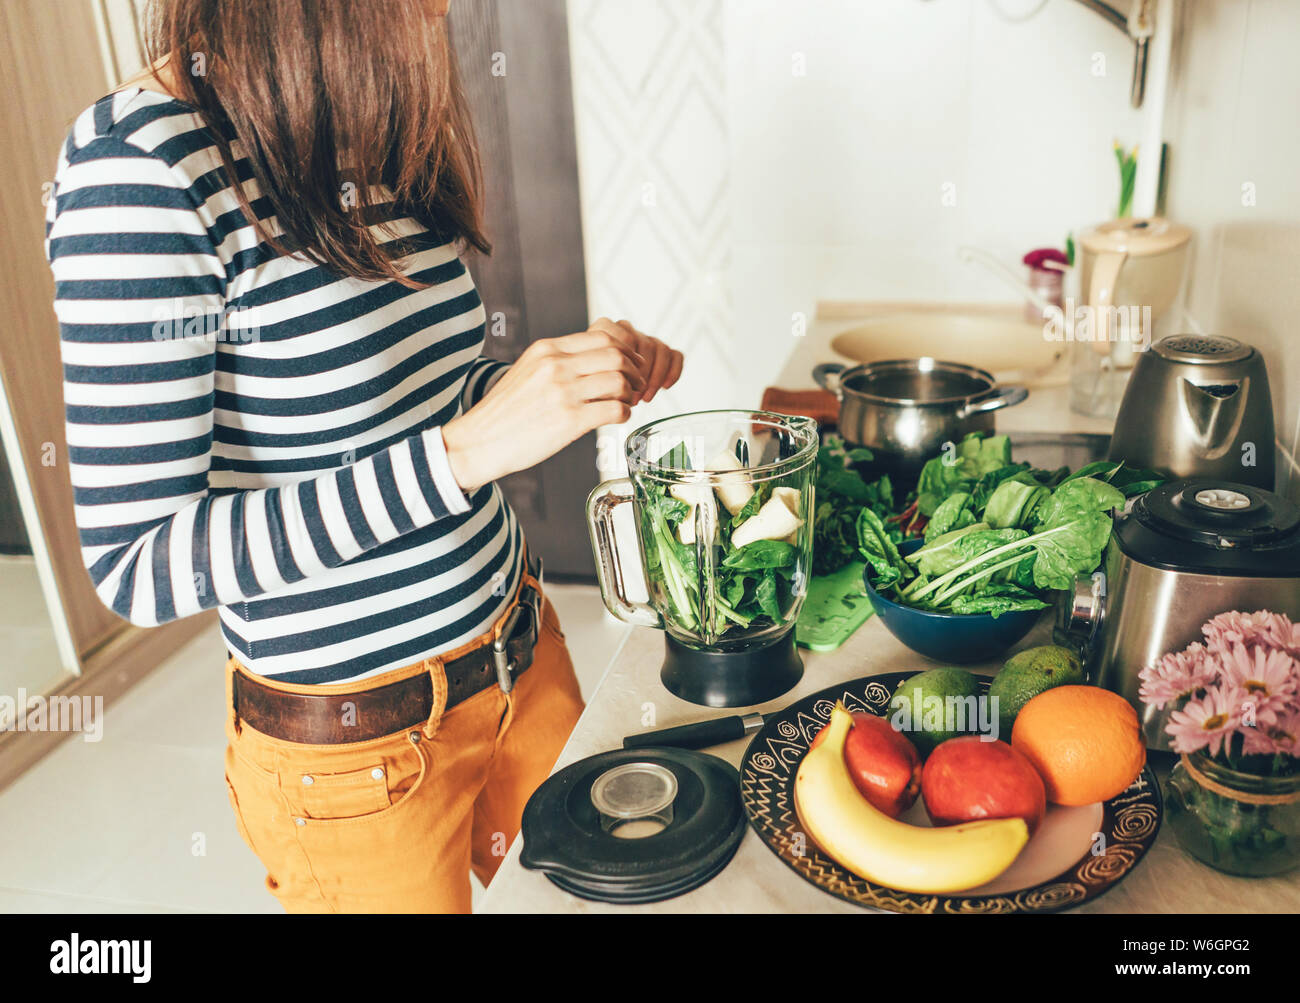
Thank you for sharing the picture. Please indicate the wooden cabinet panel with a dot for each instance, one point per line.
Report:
(514, 61)
(50, 69)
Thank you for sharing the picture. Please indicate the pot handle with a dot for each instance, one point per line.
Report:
(1004, 397)
(827, 375)
(601, 503)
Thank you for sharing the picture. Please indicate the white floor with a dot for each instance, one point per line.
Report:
(139, 822)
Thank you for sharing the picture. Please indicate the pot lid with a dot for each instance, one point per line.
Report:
(688, 803)
(1212, 526)
(1135, 237)
(1202, 349)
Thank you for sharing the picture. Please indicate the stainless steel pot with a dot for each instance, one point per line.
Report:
(904, 410)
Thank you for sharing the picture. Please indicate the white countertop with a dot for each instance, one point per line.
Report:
(1167, 880)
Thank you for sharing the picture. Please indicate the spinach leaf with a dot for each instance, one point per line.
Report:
(760, 554)
(676, 458)
(673, 509)
(1073, 528)
(888, 568)
(766, 597)
(960, 468)
(954, 512)
(752, 506)
(1014, 501)
(1130, 480)
(987, 484)
(841, 494)
(994, 604)
(941, 553)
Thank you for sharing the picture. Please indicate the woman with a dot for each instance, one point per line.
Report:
(277, 406)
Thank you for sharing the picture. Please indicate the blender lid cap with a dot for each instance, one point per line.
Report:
(1218, 514)
(634, 790)
(1202, 349)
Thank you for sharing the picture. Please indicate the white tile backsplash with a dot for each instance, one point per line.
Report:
(743, 159)
(1234, 146)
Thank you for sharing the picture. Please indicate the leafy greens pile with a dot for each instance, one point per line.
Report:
(999, 533)
(751, 585)
(841, 495)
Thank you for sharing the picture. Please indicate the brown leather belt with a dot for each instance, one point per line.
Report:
(336, 719)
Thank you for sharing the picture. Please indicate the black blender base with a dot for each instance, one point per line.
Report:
(731, 678)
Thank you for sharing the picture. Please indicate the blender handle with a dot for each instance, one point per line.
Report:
(601, 503)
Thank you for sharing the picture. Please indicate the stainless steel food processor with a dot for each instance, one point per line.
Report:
(1184, 552)
(722, 504)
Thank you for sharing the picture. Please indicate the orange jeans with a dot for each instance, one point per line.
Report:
(396, 824)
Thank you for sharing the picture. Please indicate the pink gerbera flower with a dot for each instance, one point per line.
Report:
(1228, 629)
(1285, 634)
(1176, 675)
(1266, 677)
(1243, 681)
(1280, 738)
(1204, 722)
(1286, 734)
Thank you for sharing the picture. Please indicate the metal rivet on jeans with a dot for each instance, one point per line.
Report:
(377, 773)
(308, 780)
(299, 821)
(414, 736)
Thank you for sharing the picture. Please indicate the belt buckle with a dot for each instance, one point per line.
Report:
(501, 645)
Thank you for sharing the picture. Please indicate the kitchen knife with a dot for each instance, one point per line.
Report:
(700, 735)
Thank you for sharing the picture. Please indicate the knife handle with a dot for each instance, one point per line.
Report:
(700, 735)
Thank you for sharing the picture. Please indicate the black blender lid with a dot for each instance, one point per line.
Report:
(564, 836)
(1214, 527)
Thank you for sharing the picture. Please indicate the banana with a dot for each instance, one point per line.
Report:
(874, 846)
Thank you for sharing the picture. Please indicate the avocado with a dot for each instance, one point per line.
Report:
(1028, 673)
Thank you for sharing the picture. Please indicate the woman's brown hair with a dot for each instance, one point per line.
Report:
(329, 98)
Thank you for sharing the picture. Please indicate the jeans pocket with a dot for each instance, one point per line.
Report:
(349, 794)
(390, 777)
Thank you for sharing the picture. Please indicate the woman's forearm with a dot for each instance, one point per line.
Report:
(219, 549)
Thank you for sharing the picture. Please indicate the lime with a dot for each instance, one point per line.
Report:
(934, 706)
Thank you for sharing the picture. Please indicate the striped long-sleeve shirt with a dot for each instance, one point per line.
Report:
(252, 432)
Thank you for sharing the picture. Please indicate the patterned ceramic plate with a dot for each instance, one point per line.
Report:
(1105, 842)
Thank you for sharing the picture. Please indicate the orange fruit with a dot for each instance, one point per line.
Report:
(1084, 741)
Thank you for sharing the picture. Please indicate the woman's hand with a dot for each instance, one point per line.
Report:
(559, 390)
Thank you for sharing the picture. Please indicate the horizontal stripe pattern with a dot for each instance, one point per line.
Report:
(252, 432)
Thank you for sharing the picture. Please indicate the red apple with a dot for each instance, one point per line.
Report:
(883, 762)
(968, 778)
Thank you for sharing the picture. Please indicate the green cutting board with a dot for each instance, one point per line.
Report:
(836, 606)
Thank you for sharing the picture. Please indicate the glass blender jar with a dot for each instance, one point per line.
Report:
(722, 502)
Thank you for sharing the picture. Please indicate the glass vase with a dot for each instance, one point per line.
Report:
(1235, 822)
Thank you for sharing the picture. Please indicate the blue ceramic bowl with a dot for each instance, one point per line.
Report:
(958, 638)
